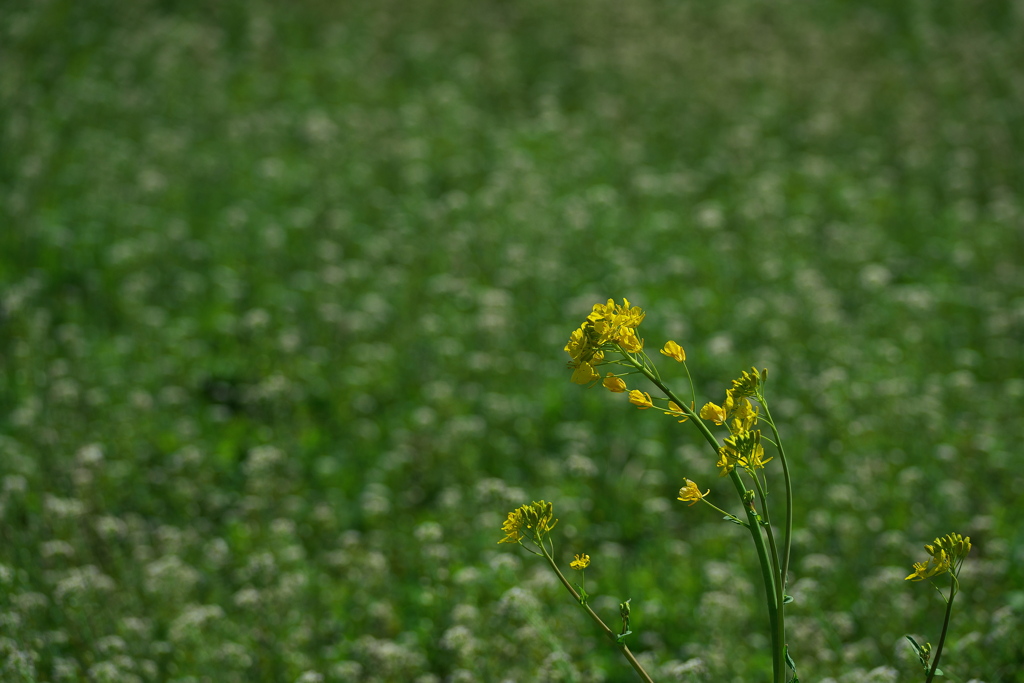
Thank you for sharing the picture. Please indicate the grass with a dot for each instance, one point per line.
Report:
(284, 293)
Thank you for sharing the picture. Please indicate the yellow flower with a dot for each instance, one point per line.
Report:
(581, 562)
(928, 569)
(513, 526)
(628, 340)
(584, 374)
(720, 413)
(674, 350)
(713, 412)
(745, 416)
(614, 384)
(691, 493)
(603, 311)
(584, 344)
(727, 459)
(576, 344)
(641, 399)
(675, 411)
(625, 315)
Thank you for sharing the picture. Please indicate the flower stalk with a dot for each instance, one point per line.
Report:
(767, 557)
(946, 555)
(608, 632)
(609, 337)
(534, 523)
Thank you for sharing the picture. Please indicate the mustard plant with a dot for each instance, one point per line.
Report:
(946, 556)
(532, 524)
(608, 340)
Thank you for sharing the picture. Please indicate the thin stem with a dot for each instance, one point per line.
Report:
(693, 392)
(767, 575)
(770, 582)
(945, 627)
(780, 620)
(787, 536)
(630, 657)
(727, 514)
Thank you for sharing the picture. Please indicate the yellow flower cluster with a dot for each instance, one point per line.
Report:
(736, 406)
(538, 517)
(748, 383)
(946, 555)
(581, 562)
(743, 447)
(608, 327)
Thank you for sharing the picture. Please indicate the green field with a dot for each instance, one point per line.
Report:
(284, 290)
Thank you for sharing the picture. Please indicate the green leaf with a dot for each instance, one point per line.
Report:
(790, 662)
(737, 522)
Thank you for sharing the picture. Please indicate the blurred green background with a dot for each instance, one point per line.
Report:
(285, 288)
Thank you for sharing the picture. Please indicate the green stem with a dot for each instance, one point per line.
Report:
(611, 635)
(945, 627)
(729, 515)
(770, 584)
(780, 594)
(787, 534)
(787, 537)
(778, 657)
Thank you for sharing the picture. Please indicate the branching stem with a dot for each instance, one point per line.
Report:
(769, 566)
(609, 633)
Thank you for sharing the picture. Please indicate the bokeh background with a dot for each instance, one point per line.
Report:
(285, 288)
